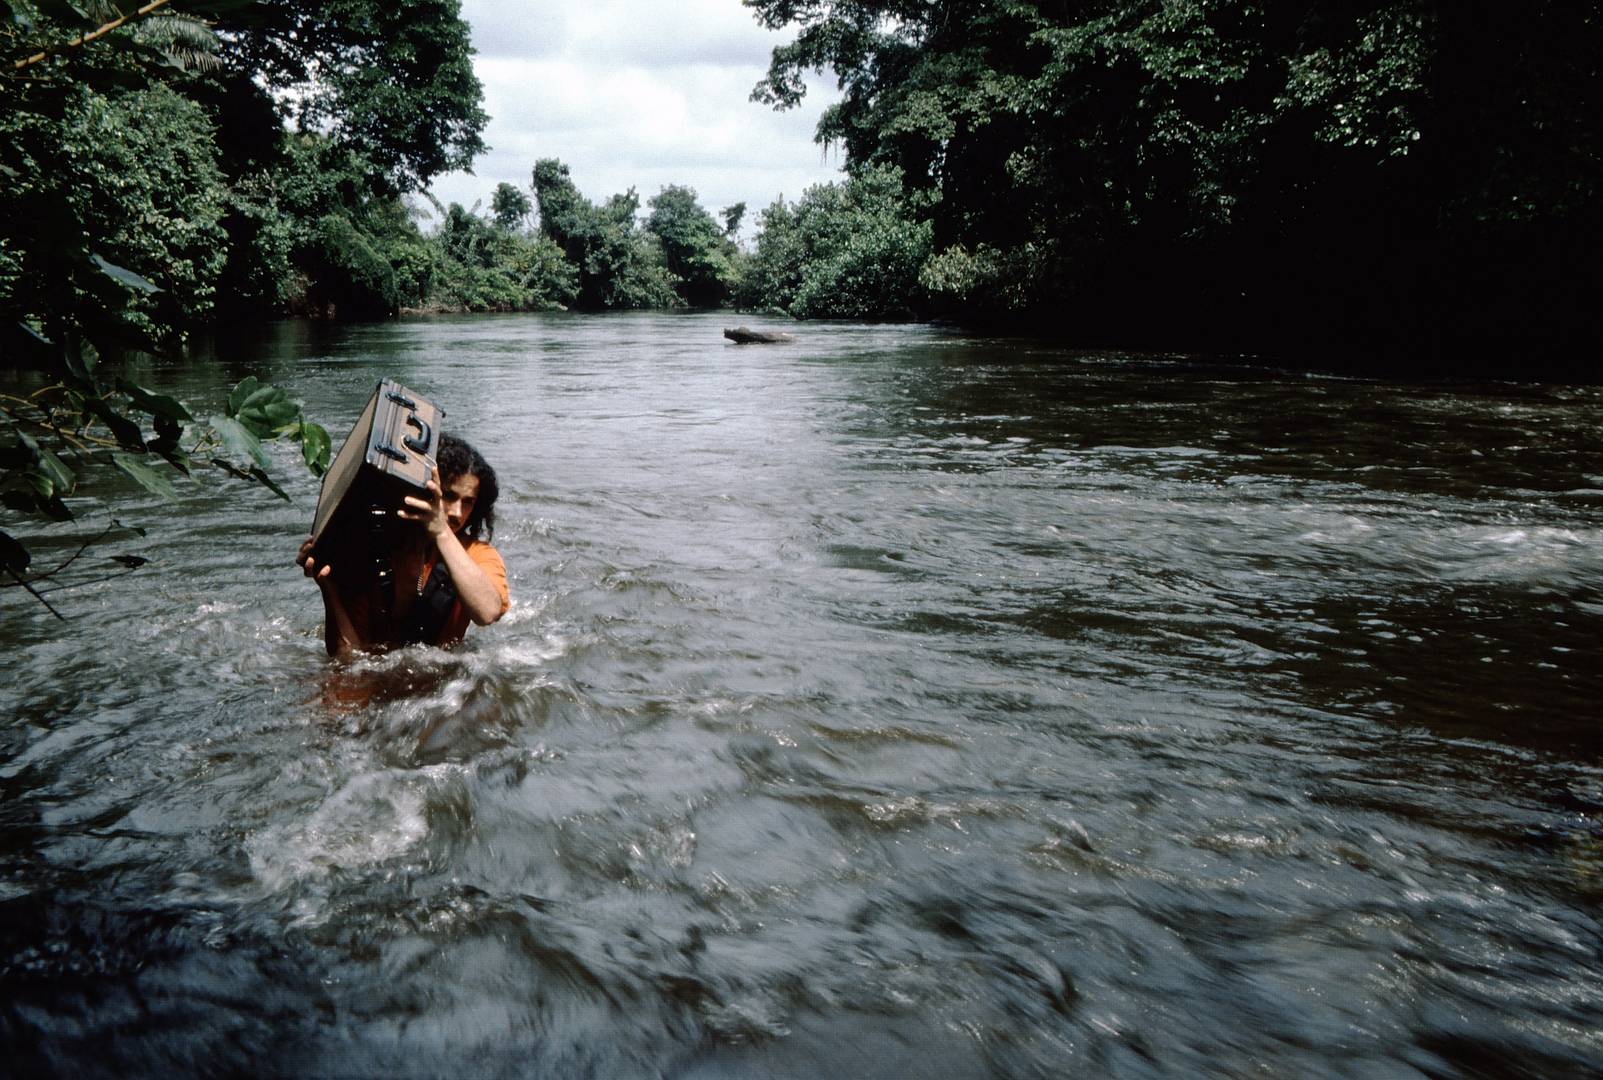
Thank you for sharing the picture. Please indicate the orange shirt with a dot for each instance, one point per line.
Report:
(488, 559)
(369, 621)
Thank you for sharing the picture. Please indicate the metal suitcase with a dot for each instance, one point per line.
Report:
(388, 455)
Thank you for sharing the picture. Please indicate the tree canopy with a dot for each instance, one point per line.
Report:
(619, 267)
(694, 246)
(146, 170)
(1387, 170)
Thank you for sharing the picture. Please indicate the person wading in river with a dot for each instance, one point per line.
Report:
(446, 572)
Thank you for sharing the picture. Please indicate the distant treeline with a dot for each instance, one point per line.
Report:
(1374, 178)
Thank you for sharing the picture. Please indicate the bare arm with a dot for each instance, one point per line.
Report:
(474, 589)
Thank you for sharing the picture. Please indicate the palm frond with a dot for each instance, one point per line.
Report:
(186, 42)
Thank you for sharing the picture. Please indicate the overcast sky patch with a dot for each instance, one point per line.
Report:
(634, 94)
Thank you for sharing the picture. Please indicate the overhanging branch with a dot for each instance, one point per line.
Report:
(84, 39)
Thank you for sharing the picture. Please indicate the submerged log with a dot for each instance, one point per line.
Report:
(742, 335)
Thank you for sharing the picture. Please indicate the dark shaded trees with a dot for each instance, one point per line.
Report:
(844, 250)
(389, 81)
(1382, 173)
(509, 207)
(497, 265)
(180, 113)
(698, 254)
(620, 266)
(145, 170)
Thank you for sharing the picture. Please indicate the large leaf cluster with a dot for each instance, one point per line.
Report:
(498, 266)
(844, 250)
(90, 419)
(156, 136)
(696, 249)
(130, 177)
(390, 81)
(621, 267)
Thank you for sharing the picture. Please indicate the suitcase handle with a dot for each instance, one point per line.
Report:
(420, 441)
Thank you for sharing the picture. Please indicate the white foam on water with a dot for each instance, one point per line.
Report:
(373, 818)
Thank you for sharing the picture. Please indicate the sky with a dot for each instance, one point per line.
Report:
(642, 94)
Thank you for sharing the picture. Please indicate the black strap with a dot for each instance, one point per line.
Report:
(431, 609)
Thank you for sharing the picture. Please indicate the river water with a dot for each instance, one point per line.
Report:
(889, 703)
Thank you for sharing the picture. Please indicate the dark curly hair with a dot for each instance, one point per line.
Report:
(456, 457)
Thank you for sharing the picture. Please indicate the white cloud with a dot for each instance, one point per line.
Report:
(635, 94)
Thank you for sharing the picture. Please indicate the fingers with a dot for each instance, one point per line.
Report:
(323, 574)
(423, 511)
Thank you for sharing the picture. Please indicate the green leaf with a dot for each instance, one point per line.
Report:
(268, 412)
(168, 433)
(176, 457)
(315, 447)
(61, 477)
(285, 415)
(31, 480)
(238, 439)
(13, 556)
(31, 492)
(260, 396)
(146, 477)
(80, 357)
(123, 276)
(267, 481)
(160, 405)
(123, 429)
(242, 392)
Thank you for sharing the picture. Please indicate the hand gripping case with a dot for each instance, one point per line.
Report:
(388, 455)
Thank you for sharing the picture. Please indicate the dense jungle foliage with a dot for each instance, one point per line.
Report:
(1406, 177)
(171, 164)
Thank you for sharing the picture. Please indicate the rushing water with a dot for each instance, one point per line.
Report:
(890, 703)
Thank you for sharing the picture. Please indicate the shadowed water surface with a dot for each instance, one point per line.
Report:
(891, 703)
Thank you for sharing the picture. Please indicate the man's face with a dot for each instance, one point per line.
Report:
(459, 494)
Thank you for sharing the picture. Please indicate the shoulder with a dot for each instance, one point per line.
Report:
(484, 554)
(488, 559)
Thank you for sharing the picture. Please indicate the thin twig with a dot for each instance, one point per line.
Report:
(70, 559)
(37, 597)
(75, 554)
(81, 440)
(84, 39)
(86, 581)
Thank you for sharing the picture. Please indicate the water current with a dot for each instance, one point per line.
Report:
(889, 703)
